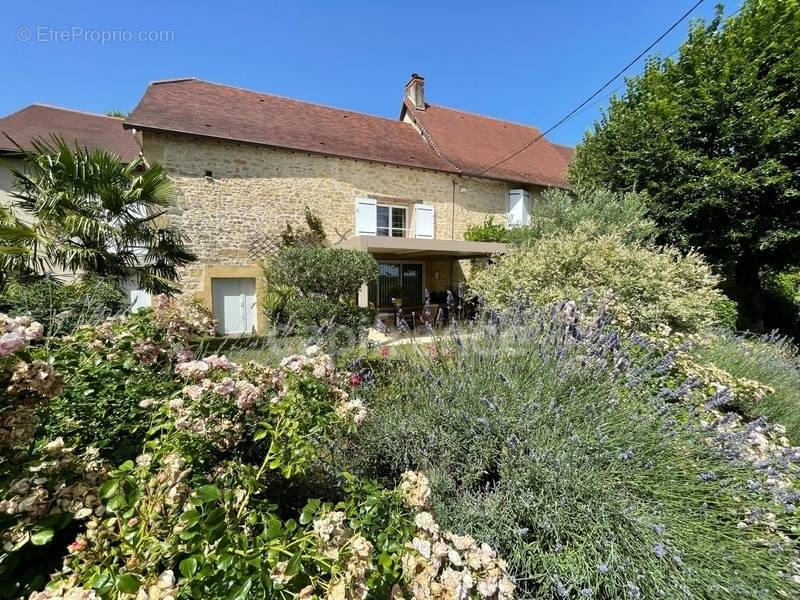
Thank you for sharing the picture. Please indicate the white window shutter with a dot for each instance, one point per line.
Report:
(519, 207)
(425, 221)
(366, 216)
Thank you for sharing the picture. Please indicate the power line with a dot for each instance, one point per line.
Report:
(622, 85)
(590, 98)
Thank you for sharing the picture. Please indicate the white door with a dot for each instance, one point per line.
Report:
(234, 304)
(137, 298)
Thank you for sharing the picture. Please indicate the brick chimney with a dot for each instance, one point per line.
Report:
(415, 91)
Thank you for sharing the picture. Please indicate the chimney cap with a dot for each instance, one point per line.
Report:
(415, 90)
(414, 78)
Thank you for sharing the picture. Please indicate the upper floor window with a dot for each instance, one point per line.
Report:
(392, 220)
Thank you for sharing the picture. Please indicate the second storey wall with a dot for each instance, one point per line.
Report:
(255, 191)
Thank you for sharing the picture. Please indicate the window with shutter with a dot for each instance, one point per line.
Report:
(366, 216)
(519, 207)
(424, 221)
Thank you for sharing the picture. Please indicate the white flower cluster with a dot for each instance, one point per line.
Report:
(18, 426)
(321, 366)
(179, 321)
(17, 333)
(334, 541)
(443, 565)
(352, 408)
(415, 488)
(162, 589)
(65, 592)
(318, 364)
(62, 483)
(437, 566)
(37, 377)
(331, 529)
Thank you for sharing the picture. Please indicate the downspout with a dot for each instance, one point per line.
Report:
(453, 215)
(453, 232)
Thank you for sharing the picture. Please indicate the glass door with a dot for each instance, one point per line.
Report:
(402, 281)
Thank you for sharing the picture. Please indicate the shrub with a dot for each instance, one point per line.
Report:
(726, 313)
(313, 235)
(489, 231)
(640, 286)
(334, 273)
(770, 361)
(563, 445)
(311, 286)
(603, 212)
(111, 370)
(320, 311)
(61, 307)
(782, 300)
(562, 212)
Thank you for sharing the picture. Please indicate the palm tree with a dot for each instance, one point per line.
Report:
(92, 214)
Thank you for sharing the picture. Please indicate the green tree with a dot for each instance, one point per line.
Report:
(713, 137)
(91, 214)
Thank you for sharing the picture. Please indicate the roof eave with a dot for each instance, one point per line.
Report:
(153, 129)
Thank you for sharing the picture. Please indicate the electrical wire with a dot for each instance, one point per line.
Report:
(598, 91)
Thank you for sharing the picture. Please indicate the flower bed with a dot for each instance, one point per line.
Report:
(133, 468)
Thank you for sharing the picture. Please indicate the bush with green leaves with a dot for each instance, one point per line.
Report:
(315, 286)
(333, 273)
(782, 295)
(62, 307)
(488, 231)
(639, 285)
(559, 212)
(576, 453)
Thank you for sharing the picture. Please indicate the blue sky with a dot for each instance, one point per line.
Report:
(529, 62)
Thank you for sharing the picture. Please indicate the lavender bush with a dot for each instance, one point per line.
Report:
(592, 460)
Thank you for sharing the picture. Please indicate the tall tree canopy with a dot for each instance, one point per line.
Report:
(713, 137)
(91, 214)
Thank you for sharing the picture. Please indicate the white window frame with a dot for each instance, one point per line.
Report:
(406, 230)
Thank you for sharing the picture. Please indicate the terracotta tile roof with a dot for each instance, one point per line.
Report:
(87, 130)
(453, 141)
(474, 142)
(212, 110)
(568, 152)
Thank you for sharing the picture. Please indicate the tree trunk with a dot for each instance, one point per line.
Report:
(749, 290)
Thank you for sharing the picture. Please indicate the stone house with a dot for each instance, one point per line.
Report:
(245, 164)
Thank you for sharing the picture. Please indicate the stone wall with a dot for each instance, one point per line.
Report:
(254, 191)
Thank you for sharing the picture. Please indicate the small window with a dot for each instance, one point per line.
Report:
(391, 221)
